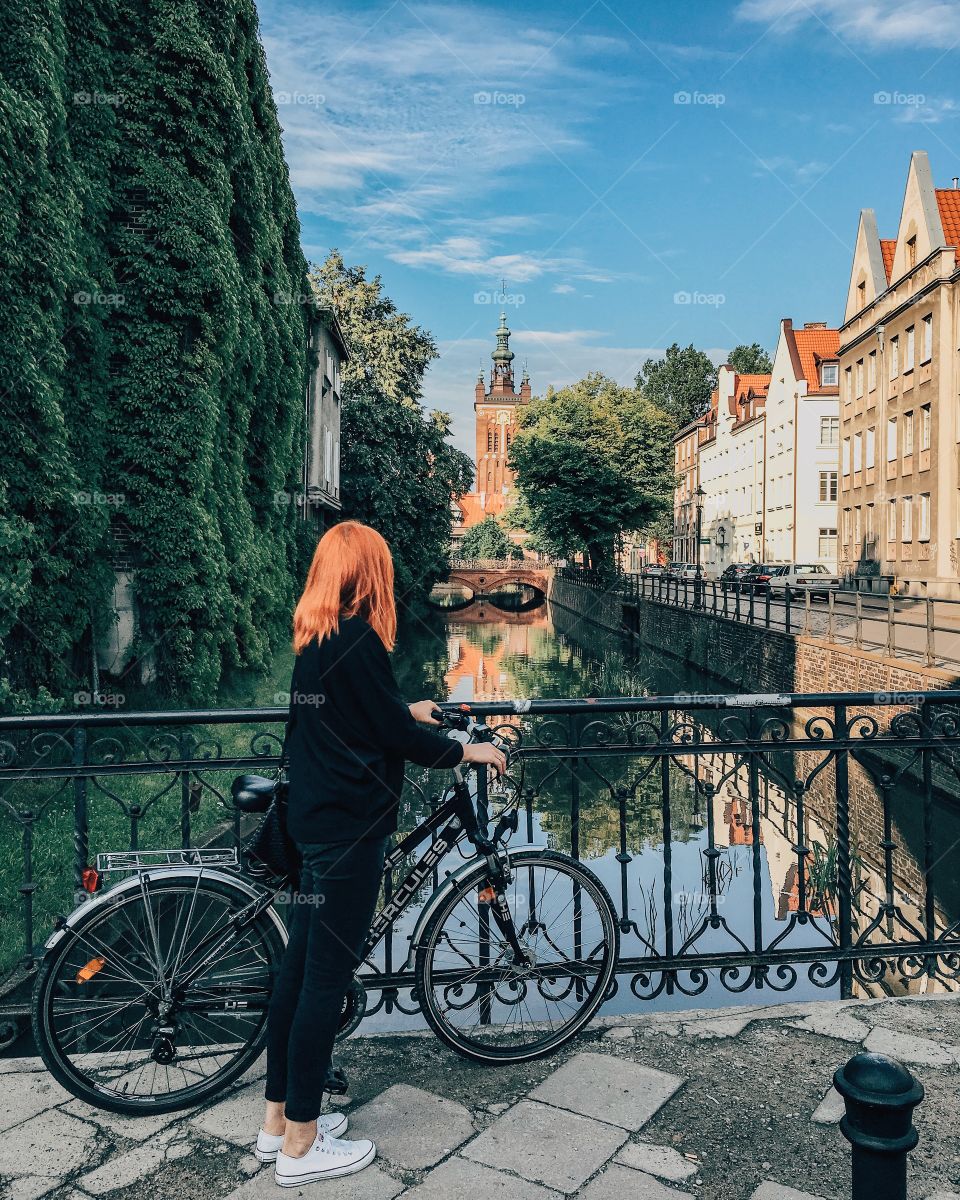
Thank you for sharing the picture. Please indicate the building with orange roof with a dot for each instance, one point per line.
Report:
(496, 425)
(730, 453)
(899, 383)
(803, 447)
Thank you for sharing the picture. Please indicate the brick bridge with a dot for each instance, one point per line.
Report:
(486, 576)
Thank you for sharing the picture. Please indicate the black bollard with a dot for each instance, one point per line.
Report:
(880, 1096)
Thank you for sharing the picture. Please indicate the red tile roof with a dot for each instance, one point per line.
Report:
(747, 388)
(948, 201)
(888, 247)
(476, 506)
(815, 345)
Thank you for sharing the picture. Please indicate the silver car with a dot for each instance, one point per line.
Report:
(803, 577)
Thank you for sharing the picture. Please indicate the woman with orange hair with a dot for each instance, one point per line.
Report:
(350, 733)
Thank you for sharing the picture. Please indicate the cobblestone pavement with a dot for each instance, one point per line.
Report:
(727, 1104)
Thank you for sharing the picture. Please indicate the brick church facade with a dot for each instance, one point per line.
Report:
(496, 420)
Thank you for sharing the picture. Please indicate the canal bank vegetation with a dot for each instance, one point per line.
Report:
(592, 461)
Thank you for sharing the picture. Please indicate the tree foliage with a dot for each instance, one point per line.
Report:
(750, 360)
(680, 383)
(154, 328)
(488, 540)
(592, 461)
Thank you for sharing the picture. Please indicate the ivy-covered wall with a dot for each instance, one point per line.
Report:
(152, 341)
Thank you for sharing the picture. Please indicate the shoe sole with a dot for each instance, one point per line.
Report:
(270, 1156)
(291, 1181)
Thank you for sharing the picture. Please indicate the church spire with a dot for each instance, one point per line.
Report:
(501, 376)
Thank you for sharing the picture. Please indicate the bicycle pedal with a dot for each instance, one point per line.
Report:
(336, 1082)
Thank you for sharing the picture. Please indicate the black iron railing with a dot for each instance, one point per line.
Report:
(750, 842)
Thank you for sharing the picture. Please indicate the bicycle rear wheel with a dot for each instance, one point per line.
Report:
(124, 1019)
(489, 1008)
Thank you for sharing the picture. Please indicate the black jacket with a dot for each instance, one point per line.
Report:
(351, 733)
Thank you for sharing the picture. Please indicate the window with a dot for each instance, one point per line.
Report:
(858, 451)
(907, 518)
(327, 456)
(848, 385)
(908, 363)
(892, 439)
(828, 486)
(869, 530)
(846, 456)
(489, 440)
(829, 373)
(872, 371)
(871, 448)
(912, 251)
(829, 431)
(923, 518)
(894, 357)
(846, 526)
(925, 427)
(827, 543)
(857, 527)
(907, 434)
(862, 294)
(927, 351)
(336, 468)
(859, 378)
(892, 520)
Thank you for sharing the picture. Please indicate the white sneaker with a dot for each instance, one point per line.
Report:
(268, 1144)
(326, 1158)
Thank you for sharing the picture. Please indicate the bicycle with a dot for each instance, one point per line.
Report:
(152, 996)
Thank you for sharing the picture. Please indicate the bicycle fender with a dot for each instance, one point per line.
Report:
(132, 883)
(452, 879)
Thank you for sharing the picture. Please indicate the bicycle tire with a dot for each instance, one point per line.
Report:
(448, 1033)
(91, 931)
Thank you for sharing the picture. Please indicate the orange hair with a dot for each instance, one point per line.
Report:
(351, 575)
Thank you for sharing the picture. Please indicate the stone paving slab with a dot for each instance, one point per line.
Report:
(830, 1109)
(235, 1119)
(768, 1190)
(47, 1147)
(609, 1089)
(911, 1049)
(662, 1161)
(546, 1145)
(412, 1128)
(33, 1093)
(622, 1183)
(136, 1129)
(460, 1178)
(126, 1169)
(372, 1183)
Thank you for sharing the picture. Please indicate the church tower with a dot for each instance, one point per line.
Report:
(496, 415)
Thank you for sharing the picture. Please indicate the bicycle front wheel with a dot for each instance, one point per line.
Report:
(487, 1006)
(155, 1001)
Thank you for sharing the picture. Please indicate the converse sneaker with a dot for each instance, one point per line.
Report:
(326, 1158)
(268, 1144)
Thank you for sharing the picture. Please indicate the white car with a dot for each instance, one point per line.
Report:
(803, 577)
(681, 570)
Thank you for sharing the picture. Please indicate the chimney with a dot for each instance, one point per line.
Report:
(956, 182)
(814, 324)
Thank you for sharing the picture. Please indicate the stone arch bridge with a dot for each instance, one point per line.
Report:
(487, 576)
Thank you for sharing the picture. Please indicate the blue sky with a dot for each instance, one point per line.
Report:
(636, 173)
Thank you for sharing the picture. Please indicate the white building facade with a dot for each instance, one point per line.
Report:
(802, 453)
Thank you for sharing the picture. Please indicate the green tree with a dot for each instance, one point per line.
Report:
(750, 360)
(488, 540)
(592, 460)
(680, 383)
(389, 353)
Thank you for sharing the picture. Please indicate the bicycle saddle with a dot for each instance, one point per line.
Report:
(252, 793)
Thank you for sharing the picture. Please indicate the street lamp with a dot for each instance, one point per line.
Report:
(698, 585)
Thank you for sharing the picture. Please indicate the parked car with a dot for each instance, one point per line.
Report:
(756, 577)
(734, 572)
(804, 577)
(654, 570)
(682, 570)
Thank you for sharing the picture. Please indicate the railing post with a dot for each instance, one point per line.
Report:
(724, 586)
(786, 611)
(766, 607)
(879, 1096)
(930, 646)
(806, 611)
(891, 650)
(844, 877)
(830, 614)
(858, 631)
(751, 603)
(81, 826)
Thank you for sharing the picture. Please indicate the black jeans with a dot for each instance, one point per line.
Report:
(339, 885)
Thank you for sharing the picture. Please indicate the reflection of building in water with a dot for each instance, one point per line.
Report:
(477, 656)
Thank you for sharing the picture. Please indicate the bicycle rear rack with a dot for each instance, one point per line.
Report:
(149, 860)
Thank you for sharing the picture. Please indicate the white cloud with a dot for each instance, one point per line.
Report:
(563, 289)
(879, 24)
(929, 111)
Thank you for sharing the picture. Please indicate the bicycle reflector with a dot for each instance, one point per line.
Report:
(487, 895)
(90, 879)
(87, 972)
